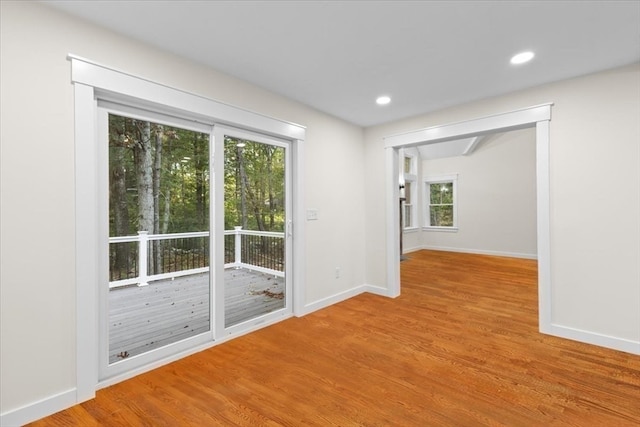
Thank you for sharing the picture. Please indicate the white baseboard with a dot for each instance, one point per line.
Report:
(39, 409)
(333, 299)
(607, 341)
(344, 295)
(377, 290)
(478, 251)
(413, 249)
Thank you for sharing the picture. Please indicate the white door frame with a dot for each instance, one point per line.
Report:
(537, 116)
(107, 370)
(93, 82)
(218, 189)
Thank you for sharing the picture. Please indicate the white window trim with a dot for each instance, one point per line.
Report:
(427, 198)
(412, 177)
(440, 229)
(115, 370)
(92, 82)
(414, 164)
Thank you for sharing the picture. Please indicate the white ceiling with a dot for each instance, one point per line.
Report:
(339, 56)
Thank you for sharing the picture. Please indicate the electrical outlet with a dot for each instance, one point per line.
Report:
(312, 214)
(337, 272)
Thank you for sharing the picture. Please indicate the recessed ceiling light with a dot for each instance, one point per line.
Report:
(522, 57)
(383, 100)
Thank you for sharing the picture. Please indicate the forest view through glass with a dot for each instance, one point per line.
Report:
(159, 191)
(255, 221)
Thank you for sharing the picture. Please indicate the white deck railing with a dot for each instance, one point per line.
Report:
(143, 238)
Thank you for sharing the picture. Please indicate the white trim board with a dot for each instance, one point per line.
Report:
(477, 251)
(343, 296)
(615, 343)
(501, 122)
(93, 82)
(332, 299)
(537, 116)
(118, 84)
(40, 409)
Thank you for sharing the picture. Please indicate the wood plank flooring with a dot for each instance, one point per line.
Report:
(459, 347)
(148, 317)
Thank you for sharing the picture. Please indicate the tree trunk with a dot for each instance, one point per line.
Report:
(166, 192)
(255, 201)
(118, 190)
(200, 190)
(166, 213)
(157, 176)
(272, 207)
(243, 189)
(144, 175)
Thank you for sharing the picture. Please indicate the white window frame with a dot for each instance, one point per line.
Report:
(112, 370)
(410, 177)
(441, 179)
(93, 82)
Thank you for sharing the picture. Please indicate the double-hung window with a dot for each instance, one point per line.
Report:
(409, 171)
(441, 197)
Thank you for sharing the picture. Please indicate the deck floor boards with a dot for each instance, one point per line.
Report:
(148, 317)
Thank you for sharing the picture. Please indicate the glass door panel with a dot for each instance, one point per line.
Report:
(255, 228)
(159, 279)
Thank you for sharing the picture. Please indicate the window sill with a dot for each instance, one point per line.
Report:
(410, 229)
(445, 229)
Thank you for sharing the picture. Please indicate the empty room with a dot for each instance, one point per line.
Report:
(350, 213)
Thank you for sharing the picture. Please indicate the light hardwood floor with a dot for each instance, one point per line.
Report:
(459, 347)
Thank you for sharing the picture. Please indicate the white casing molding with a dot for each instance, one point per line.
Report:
(93, 82)
(503, 122)
(536, 116)
(39, 409)
(539, 117)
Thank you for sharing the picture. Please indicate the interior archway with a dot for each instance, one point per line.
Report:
(536, 116)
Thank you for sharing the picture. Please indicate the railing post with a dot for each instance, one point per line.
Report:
(238, 246)
(143, 249)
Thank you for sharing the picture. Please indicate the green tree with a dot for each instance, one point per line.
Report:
(254, 185)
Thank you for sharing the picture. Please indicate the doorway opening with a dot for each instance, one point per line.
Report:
(537, 117)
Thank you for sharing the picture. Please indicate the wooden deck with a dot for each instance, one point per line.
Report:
(167, 311)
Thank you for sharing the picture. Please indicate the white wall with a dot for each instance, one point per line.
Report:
(594, 163)
(38, 342)
(496, 197)
(595, 198)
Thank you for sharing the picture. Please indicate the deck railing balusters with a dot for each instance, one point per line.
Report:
(256, 250)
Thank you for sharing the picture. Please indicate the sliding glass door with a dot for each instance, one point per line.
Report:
(191, 255)
(157, 298)
(257, 229)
